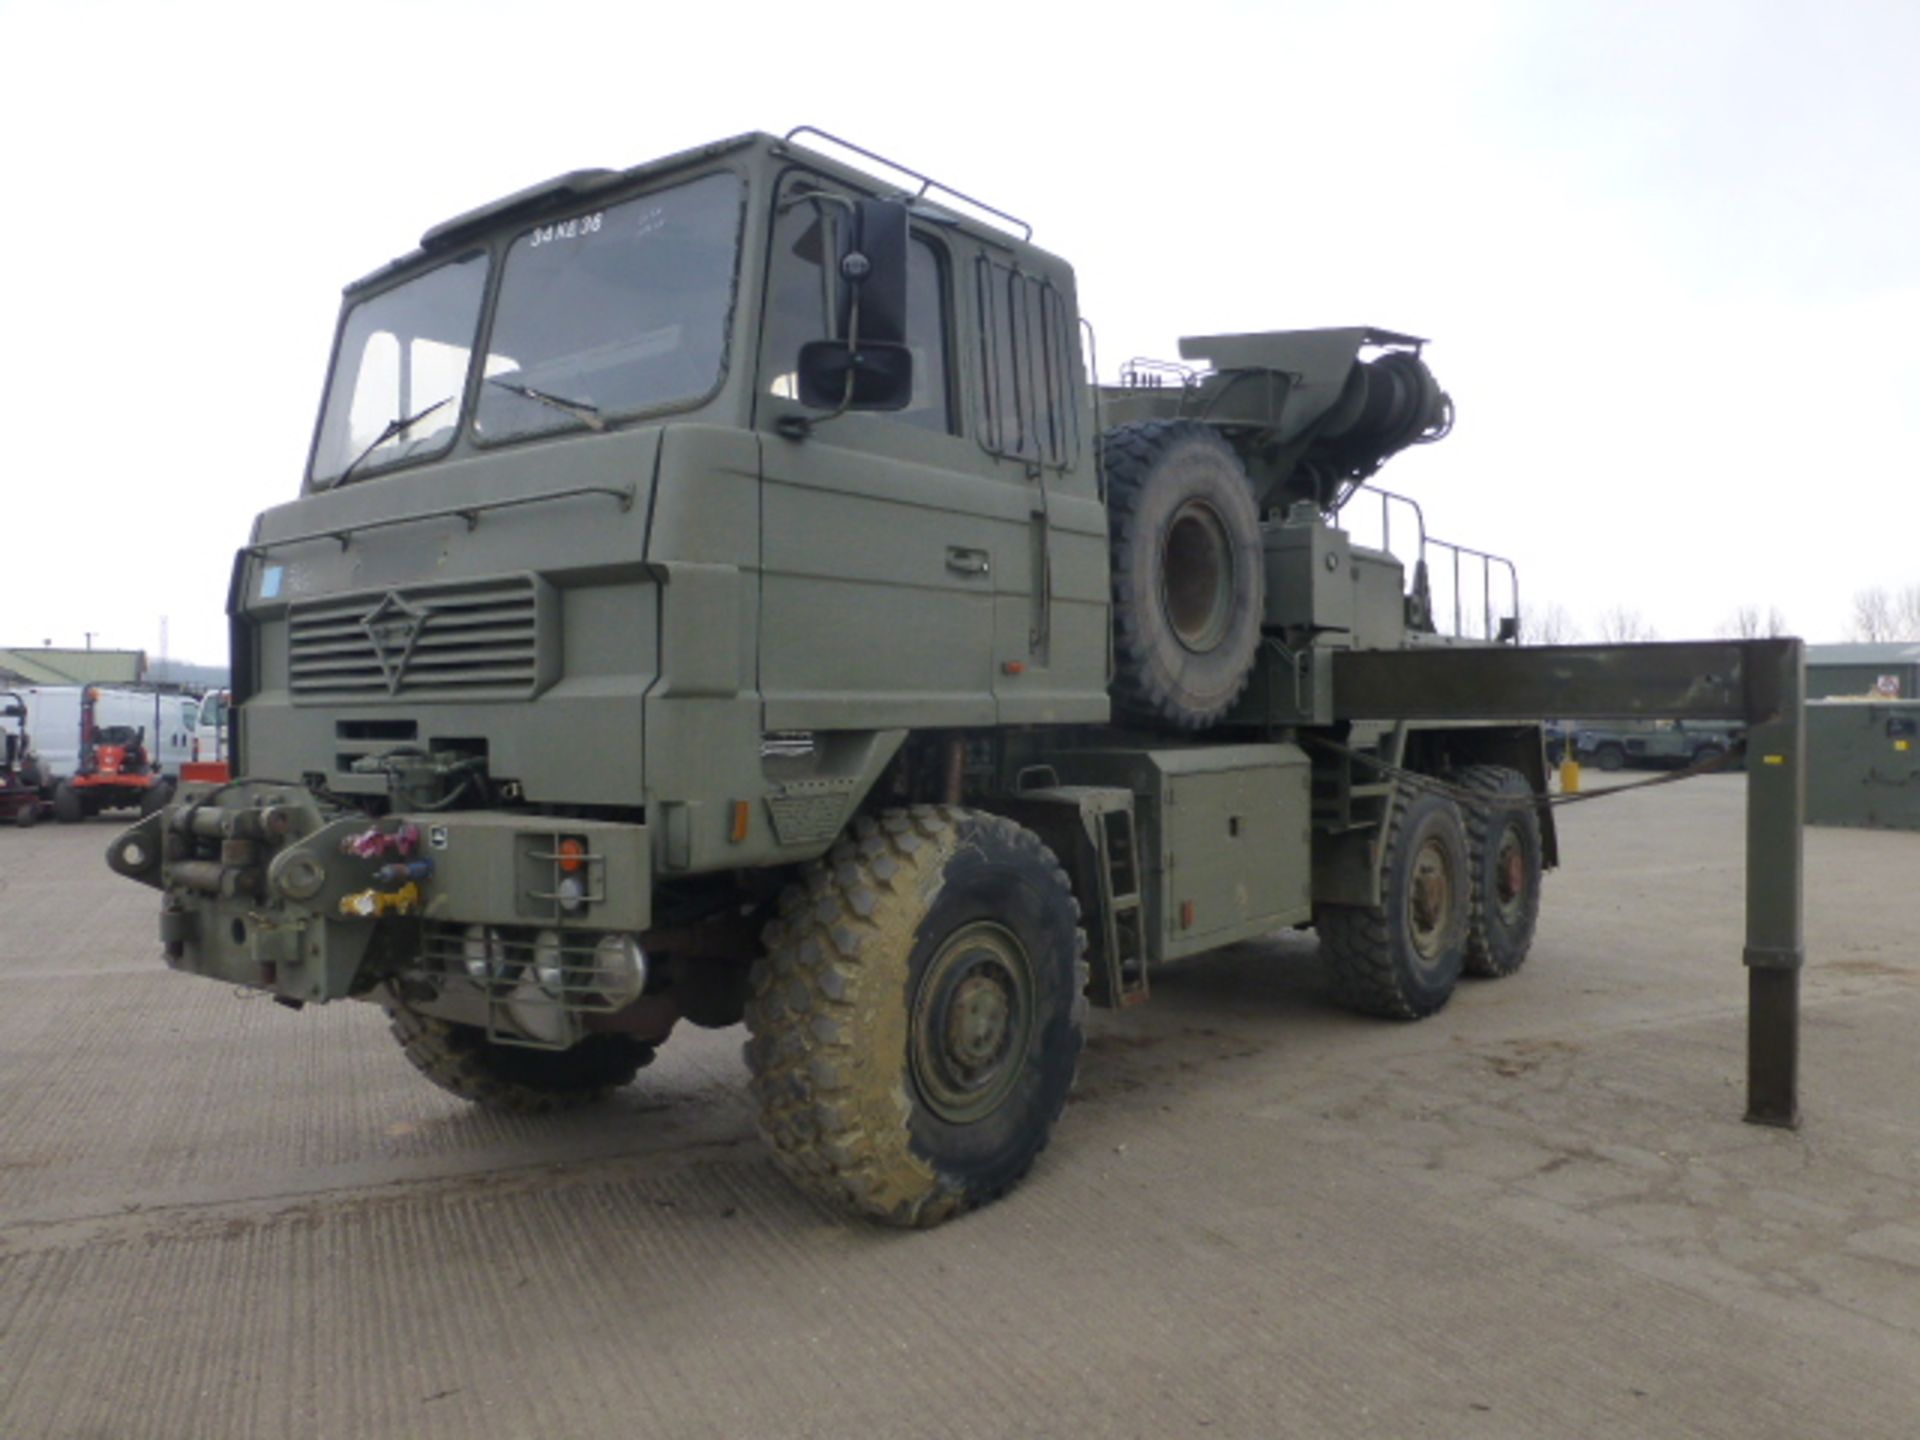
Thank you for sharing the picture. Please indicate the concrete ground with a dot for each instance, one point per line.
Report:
(1536, 1215)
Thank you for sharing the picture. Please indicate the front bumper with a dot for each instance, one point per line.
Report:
(266, 886)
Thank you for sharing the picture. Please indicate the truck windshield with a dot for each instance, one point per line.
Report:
(613, 312)
(403, 353)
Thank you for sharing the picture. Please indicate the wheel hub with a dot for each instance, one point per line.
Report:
(1196, 577)
(1510, 874)
(977, 1021)
(1431, 894)
(972, 1021)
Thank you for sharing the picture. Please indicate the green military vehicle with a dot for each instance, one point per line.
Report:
(719, 591)
(1655, 744)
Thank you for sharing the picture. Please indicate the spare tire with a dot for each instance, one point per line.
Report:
(1188, 576)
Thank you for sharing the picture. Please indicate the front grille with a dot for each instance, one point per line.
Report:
(462, 640)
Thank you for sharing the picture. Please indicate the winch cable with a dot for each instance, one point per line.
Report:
(1433, 784)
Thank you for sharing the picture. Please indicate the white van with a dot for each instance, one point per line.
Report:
(55, 725)
(211, 733)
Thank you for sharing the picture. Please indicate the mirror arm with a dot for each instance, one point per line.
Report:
(799, 427)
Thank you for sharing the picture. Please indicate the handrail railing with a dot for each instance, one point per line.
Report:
(1388, 499)
(1488, 561)
(1490, 628)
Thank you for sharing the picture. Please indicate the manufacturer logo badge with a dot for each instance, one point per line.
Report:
(394, 626)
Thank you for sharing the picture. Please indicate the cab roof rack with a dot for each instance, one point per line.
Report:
(927, 182)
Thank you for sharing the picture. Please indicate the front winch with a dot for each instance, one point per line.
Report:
(256, 876)
(270, 886)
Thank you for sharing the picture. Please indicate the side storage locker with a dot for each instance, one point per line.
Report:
(1235, 850)
(1225, 834)
(1863, 764)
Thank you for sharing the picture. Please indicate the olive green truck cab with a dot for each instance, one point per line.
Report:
(719, 591)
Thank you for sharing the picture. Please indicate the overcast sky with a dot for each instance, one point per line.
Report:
(1668, 254)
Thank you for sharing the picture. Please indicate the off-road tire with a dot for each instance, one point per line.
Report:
(155, 796)
(1708, 755)
(512, 1078)
(68, 807)
(1506, 905)
(1610, 757)
(1189, 578)
(857, 961)
(1372, 956)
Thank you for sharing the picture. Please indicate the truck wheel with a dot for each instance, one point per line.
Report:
(67, 804)
(1610, 757)
(1708, 755)
(916, 1021)
(1400, 959)
(1189, 580)
(1504, 859)
(461, 1061)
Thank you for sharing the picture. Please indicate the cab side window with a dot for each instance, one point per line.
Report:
(1027, 401)
(800, 309)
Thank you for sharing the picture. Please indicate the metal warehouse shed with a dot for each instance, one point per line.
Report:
(1860, 670)
(52, 665)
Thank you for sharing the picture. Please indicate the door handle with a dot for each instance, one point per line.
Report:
(963, 561)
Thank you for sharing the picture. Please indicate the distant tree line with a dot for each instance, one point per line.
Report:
(1553, 624)
(1880, 614)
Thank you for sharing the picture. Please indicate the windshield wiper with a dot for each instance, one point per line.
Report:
(394, 427)
(585, 412)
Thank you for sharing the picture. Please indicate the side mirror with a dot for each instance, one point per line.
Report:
(867, 366)
(882, 375)
(1509, 629)
(873, 272)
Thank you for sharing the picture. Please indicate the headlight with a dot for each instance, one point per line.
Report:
(480, 952)
(549, 963)
(535, 1004)
(619, 970)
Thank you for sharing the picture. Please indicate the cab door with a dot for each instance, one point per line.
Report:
(883, 534)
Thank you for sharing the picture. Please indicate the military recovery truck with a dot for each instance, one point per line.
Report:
(719, 591)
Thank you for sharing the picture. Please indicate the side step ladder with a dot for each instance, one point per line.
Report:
(1123, 937)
